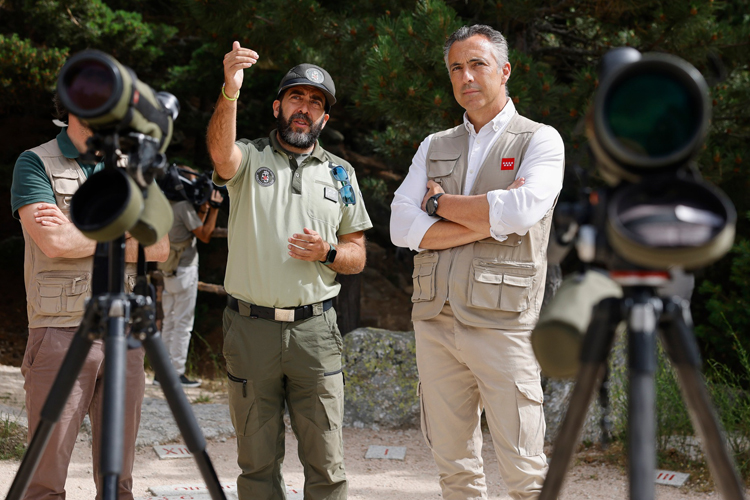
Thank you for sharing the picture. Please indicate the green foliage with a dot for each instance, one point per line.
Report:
(27, 71)
(728, 306)
(12, 440)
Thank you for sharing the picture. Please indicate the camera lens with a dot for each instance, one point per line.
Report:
(652, 114)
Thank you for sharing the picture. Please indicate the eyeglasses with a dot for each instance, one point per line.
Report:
(346, 190)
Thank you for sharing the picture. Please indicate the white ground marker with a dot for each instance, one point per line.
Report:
(175, 490)
(671, 478)
(168, 451)
(387, 452)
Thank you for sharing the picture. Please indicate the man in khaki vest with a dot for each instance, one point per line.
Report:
(296, 220)
(57, 270)
(477, 206)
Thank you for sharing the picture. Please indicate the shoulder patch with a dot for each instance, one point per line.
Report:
(265, 176)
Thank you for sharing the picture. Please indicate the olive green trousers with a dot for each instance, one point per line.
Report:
(271, 364)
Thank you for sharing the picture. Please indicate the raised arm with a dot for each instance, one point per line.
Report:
(222, 129)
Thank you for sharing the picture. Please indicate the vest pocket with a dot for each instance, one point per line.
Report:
(442, 163)
(61, 293)
(65, 184)
(423, 276)
(505, 286)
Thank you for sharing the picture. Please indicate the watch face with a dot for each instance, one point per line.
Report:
(431, 206)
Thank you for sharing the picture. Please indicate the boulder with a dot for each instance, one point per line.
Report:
(381, 379)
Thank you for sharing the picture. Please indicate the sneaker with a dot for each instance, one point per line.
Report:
(186, 382)
(156, 382)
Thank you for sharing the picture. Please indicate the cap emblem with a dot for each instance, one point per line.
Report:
(314, 75)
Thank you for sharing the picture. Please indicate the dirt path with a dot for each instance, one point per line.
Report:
(414, 478)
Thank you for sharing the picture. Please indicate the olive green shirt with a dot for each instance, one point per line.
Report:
(273, 198)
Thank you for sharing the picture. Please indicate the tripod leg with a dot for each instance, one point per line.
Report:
(596, 346)
(683, 351)
(182, 412)
(643, 316)
(55, 403)
(113, 410)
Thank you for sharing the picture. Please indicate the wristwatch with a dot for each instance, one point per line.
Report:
(432, 203)
(331, 256)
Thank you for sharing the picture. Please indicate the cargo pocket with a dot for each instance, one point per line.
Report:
(441, 164)
(530, 398)
(329, 412)
(65, 184)
(242, 408)
(503, 286)
(62, 293)
(424, 276)
(424, 423)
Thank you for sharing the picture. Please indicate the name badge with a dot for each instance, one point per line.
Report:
(331, 194)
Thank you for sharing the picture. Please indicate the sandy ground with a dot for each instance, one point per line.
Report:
(415, 477)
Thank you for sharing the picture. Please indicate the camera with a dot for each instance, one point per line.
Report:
(132, 126)
(179, 184)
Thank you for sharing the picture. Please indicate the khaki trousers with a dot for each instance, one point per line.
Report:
(272, 364)
(45, 351)
(463, 370)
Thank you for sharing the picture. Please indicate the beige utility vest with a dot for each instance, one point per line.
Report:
(56, 289)
(489, 283)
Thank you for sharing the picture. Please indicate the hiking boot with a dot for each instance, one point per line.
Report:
(186, 382)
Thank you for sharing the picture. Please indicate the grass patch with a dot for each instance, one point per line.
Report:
(203, 398)
(12, 440)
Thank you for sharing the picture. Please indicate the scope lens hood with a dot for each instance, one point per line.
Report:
(90, 84)
(670, 221)
(650, 115)
(106, 205)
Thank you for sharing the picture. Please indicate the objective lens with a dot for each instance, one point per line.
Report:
(88, 84)
(653, 114)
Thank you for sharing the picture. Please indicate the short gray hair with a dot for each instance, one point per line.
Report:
(498, 41)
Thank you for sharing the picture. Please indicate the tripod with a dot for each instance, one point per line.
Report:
(106, 316)
(643, 311)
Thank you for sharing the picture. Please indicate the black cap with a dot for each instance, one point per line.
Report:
(310, 74)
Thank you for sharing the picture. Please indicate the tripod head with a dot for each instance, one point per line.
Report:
(132, 127)
(648, 120)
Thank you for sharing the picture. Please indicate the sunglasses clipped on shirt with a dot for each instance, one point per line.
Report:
(346, 191)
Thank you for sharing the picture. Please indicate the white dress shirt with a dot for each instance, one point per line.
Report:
(511, 211)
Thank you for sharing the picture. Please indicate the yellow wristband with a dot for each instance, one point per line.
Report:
(227, 97)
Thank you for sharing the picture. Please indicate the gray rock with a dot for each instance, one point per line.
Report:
(381, 379)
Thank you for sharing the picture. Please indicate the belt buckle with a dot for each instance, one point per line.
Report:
(286, 315)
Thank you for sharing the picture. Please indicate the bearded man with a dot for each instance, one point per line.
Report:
(296, 219)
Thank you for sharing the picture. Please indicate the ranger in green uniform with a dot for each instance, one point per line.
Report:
(297, 219)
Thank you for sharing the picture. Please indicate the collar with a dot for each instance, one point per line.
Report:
(498, 123)
(66, 145)
(318, 152)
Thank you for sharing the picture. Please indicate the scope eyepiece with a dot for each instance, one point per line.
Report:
(650, 114)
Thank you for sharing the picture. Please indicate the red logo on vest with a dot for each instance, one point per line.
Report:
(508, 164)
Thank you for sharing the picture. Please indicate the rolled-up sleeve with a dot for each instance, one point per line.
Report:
(517, 210)
(409, 222)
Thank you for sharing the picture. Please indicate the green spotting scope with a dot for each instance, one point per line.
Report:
(95, 87)
(133, 126)
(649, 118)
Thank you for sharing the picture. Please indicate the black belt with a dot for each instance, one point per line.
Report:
(274, 314)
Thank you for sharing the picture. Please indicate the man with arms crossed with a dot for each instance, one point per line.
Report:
(58, 263)
(296, 220)
(477, 205)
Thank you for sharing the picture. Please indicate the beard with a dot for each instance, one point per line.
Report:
(302, 140)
